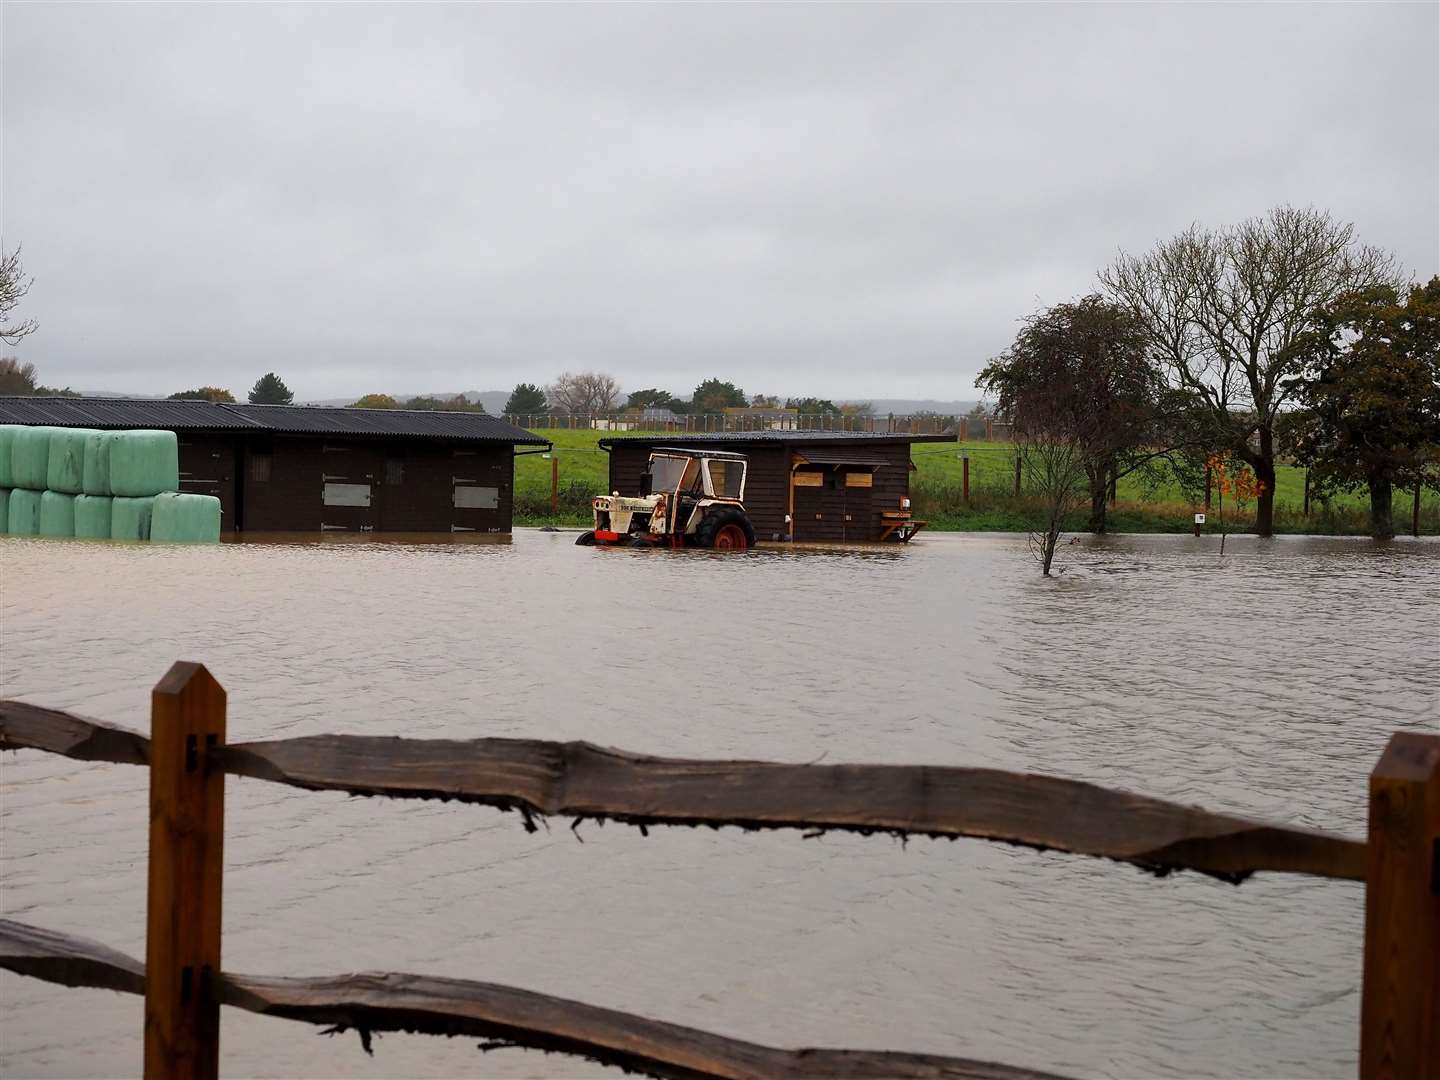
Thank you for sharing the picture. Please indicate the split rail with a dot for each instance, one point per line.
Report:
(188, 757)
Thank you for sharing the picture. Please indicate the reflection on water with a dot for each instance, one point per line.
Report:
(1264, 683)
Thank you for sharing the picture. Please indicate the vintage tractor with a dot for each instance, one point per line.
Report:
(688, 498)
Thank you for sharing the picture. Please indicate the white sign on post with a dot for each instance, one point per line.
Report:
(1199, 519)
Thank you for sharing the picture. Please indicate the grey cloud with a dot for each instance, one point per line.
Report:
(853, 200)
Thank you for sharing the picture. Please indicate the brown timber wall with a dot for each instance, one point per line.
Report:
(208, 466)
(412, 484)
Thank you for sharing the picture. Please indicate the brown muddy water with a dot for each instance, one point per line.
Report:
(1264, 684)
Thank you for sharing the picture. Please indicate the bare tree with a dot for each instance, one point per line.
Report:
(1224, 310)
(586, 392)
(15, 377)
(13, 287)
(1054, 470)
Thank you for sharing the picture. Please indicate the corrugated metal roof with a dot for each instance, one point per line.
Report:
(417, 423)
(838, 438)
(118, 413)
(282, 419)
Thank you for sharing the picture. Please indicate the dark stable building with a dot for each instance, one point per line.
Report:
(298, 468)
(829, 486)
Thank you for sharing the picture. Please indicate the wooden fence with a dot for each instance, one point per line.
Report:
(965, 427)
(188, 756)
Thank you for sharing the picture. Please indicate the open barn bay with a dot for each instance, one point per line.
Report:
(1265, 683)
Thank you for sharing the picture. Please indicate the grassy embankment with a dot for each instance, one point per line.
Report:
(936, 489)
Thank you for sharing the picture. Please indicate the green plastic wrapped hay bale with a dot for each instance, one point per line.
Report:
(23, 512)
(143, 462)
(7, 441)
(92, 515)
(30, 458)
(130, 517)
(67, 460)
(4, 511)
(185, 519)
(57, 513)
(96, 471)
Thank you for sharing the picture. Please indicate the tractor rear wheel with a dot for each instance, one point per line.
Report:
(725, 530)
(586, 539)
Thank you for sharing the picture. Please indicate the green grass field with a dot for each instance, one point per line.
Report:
(936, 489)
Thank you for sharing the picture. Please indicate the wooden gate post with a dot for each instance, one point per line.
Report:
(182, 924)
(1400, 1003)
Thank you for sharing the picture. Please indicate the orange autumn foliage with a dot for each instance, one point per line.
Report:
(1238, 482)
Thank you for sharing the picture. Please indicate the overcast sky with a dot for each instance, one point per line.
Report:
(851, 201)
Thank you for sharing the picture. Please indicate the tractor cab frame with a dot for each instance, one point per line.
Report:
(687, 498)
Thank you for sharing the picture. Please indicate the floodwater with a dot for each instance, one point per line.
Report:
(1265, 683)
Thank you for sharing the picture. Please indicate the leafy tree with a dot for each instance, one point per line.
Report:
(1085, 370)
(764, 401)
(458, 403)
(715, 396)
(205, 393)
(270, 389)
(650, 399)
(13, 287)
(587, 392)
(375, 401)
(857, 408)
(1224, 309)
(526, 399)
(1371, 395)
(811, 406)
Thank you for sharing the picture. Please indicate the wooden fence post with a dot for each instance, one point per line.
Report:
(1400, 1002)
(182, 922)
(1017, 474)
(965, 477)
(1415, 512)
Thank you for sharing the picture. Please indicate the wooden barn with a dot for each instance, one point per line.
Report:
(831, 486)
(292, 468)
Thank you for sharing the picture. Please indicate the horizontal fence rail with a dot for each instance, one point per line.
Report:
(188, 756)
(503, 1016)
(583, 781)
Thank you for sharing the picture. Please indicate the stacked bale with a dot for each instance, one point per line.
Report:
(23, 512)
(24, 468)
(185, 519)
(66, 470)
(7, 440)
(130, 517)
(30, 458)
(92, 516)
(143, 463)
(57, 513)
(96, 470)
(7, 481)
(81, 482)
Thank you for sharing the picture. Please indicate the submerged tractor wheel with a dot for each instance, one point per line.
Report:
(726, 530)
(586, 539)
